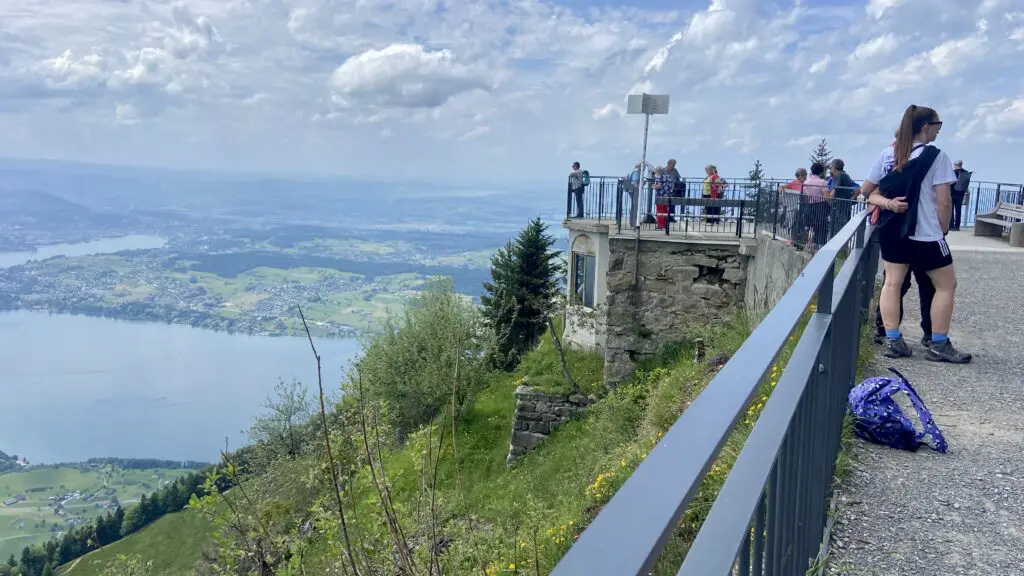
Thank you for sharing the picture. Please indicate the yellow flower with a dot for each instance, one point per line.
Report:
(511, 566)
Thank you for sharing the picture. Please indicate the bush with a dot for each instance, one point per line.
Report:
(417, 365)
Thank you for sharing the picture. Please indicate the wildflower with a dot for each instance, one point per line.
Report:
(511, 566)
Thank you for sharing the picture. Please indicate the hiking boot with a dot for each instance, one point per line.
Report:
(945, 352)
(926, 341)
(897, 349)
(880, 339)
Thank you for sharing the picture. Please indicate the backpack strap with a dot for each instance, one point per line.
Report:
(925, 415)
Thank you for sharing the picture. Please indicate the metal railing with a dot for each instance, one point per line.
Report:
(770, 515)
(610, 197)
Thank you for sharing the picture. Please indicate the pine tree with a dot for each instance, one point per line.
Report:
(522, 293)
(756, 173)
(821, 153)
(764, 204)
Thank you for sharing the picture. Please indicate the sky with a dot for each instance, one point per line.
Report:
(504, 90)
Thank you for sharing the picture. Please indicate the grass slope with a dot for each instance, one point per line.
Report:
(498, 518)
(173, 543)
(33, 520)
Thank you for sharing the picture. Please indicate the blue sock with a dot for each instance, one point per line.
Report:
(936, 337)
(892, 334)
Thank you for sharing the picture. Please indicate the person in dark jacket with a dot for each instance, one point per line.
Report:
(958, 192)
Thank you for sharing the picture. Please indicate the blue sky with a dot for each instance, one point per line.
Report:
(504, 91)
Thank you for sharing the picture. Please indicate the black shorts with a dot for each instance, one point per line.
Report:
(920, 255)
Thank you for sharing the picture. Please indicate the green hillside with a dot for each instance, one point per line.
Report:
(559, 488)
(50, 500)
(173, 543)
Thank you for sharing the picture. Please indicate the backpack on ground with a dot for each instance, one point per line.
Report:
(586, 177)
(877, 418)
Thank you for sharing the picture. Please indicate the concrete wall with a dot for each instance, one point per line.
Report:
(680, 283)
(584, 327)
(770, 273)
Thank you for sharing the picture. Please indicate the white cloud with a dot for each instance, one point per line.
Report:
(404, 76)
(1001, 120)
(877, 8)
(820, 66)
(457, 85)
(876, 47)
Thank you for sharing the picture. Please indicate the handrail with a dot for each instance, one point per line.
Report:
(629, 534)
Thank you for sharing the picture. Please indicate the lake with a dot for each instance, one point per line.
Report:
(78, 387)
(101, 246)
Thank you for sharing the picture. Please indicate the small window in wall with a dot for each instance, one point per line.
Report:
(584, 272)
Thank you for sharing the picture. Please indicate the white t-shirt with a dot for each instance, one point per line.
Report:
(941, 172)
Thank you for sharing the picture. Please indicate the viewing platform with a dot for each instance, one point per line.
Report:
(777, 512)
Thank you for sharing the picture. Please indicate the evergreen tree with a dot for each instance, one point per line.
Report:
(522, 292)
(756, 173)
(763, 207)
(821, 153)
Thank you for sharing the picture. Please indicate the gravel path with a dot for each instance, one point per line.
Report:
(929, 514)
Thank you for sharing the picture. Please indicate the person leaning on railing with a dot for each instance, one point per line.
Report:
(816, 190)
(714, 185)
(843, 193)
(910, 181)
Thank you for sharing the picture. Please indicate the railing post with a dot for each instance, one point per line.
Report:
(618, 204)
(977, 197)
(600, 199)
(775, 213)
(739, 222)
(568, 199)
(825, 291)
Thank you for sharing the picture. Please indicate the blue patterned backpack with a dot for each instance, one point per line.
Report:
(877, 418)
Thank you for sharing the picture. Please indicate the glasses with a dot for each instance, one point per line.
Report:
(936, 123)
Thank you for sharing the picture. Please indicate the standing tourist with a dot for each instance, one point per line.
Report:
(577, 184)
(911, 183)
(842, 193)
(815, 191)
(713, 188)
(963, 182)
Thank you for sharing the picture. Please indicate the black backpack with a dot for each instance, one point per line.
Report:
(905, 182)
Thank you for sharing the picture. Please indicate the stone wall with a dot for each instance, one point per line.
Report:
(680, 284)
(770, 273)
(539, 414)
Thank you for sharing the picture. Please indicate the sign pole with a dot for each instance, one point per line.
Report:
(645, 104)
(643, 172)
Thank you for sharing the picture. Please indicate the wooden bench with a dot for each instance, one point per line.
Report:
(1005, 216)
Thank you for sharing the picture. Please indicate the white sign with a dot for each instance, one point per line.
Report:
(647, 104)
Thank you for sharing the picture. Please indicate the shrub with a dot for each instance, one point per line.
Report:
(417, 365)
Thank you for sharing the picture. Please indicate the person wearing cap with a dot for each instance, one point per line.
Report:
(958, 192)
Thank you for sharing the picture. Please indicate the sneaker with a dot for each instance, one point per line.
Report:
(880, 339)
(897, 349)
(926, 341)
(945, 352)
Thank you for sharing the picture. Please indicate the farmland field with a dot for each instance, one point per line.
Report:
(55, 499)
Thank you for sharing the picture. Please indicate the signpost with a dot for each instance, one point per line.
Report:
(646, 104)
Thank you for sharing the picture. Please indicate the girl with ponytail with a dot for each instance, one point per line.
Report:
(910, 186)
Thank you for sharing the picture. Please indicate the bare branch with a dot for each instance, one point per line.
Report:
(327, 440)
(561, 355)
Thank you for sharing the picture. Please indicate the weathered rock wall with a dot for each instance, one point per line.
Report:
(539, 414)
(771, 272)
(679, 284)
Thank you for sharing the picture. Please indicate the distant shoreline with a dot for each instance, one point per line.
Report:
(216, 324)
